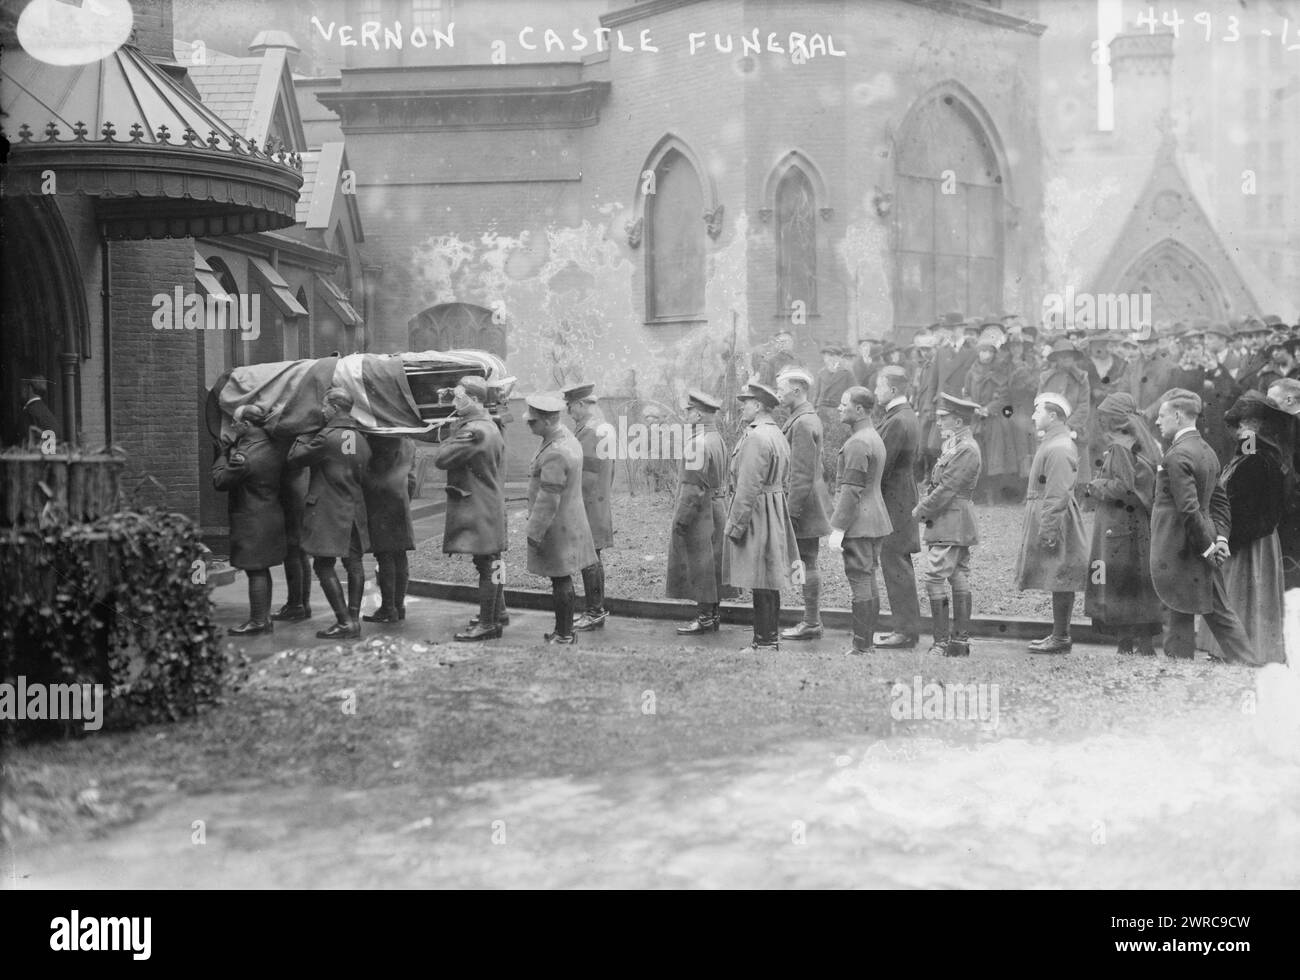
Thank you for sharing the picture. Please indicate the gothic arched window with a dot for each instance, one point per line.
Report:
(675, 248)
(948, 189)
(796, 242)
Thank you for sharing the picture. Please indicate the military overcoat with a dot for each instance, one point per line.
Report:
(559, 540)
(249, 471)
(338, 455)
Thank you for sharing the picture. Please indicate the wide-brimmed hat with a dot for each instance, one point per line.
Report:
(1062, 346)
(1253, 405)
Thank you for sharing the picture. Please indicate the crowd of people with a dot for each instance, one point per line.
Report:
(1074, 420)
(1182, 440)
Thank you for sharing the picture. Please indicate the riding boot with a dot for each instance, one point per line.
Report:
(1059, 641)
(865, 614)
(939, 617)
(959, 645)
(259, 604)
(293, 574)
(487, 626)
(304, 562)
(356, 592)
(385, 575)
(401, 577)
(593, 587)
(564, 598)
(344, 628)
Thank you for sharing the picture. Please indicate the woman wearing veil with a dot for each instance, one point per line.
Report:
(1120, 597)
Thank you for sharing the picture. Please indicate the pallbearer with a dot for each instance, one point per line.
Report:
(597, 485)
(559, 540)
(388, 484)
(695, 548)
(948, 513)
(761, 550)
(335, 524)
(474, 459)
(809, 501)
(249, 470)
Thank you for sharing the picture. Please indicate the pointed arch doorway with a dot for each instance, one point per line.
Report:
(1180, 283)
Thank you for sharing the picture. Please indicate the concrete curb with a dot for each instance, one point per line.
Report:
(837, 619)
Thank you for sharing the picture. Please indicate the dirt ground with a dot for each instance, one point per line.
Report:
(634, 759)
(637, 564)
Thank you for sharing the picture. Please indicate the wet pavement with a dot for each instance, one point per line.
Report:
(635, 759)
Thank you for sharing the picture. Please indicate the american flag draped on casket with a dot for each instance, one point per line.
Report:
(392, 394)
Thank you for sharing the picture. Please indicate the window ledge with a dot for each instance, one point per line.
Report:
(688, 320)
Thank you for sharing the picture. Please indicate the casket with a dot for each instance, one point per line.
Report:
(392, 394)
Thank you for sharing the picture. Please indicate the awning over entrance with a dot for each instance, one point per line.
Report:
(159, 161)
(277, 289)
(338, 302)
(207, 279)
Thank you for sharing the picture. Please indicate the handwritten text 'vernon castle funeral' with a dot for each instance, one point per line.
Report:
(800, 47)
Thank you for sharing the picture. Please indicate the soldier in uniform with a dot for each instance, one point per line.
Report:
(474, 458)
(948, 513)
(809, 502)
(861, 521)
(249, 470)
(559, 540)
(901, 433)
(597, 487)
(1053, 547)
(695, 548)
(761, 551)
(335, 524)
(388, 485)
(294, 485)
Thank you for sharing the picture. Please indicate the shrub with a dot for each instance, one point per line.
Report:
(121, 601)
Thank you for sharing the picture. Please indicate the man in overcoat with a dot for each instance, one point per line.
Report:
(695, 548)
(861, 521)
(809, 501)
(761, 552)
(474, 458)
(1053, 546)
(1191, 521)
(559, 540)
(900, 432)
(249, 471)
(597, 489)
(335, 523)
(948, 512)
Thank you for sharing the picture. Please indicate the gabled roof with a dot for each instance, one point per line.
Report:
(322, 180)
(247, 92)
(1108, 207)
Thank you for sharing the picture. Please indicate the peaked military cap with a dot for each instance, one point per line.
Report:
(578, 392)
(539, 405)
(702, 400)
(760, 393)
(952, 405)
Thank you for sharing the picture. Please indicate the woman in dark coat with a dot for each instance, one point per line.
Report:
(387, 485)
(988, 384)
(1120, 596)
(249, 471)
(1253, 480)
